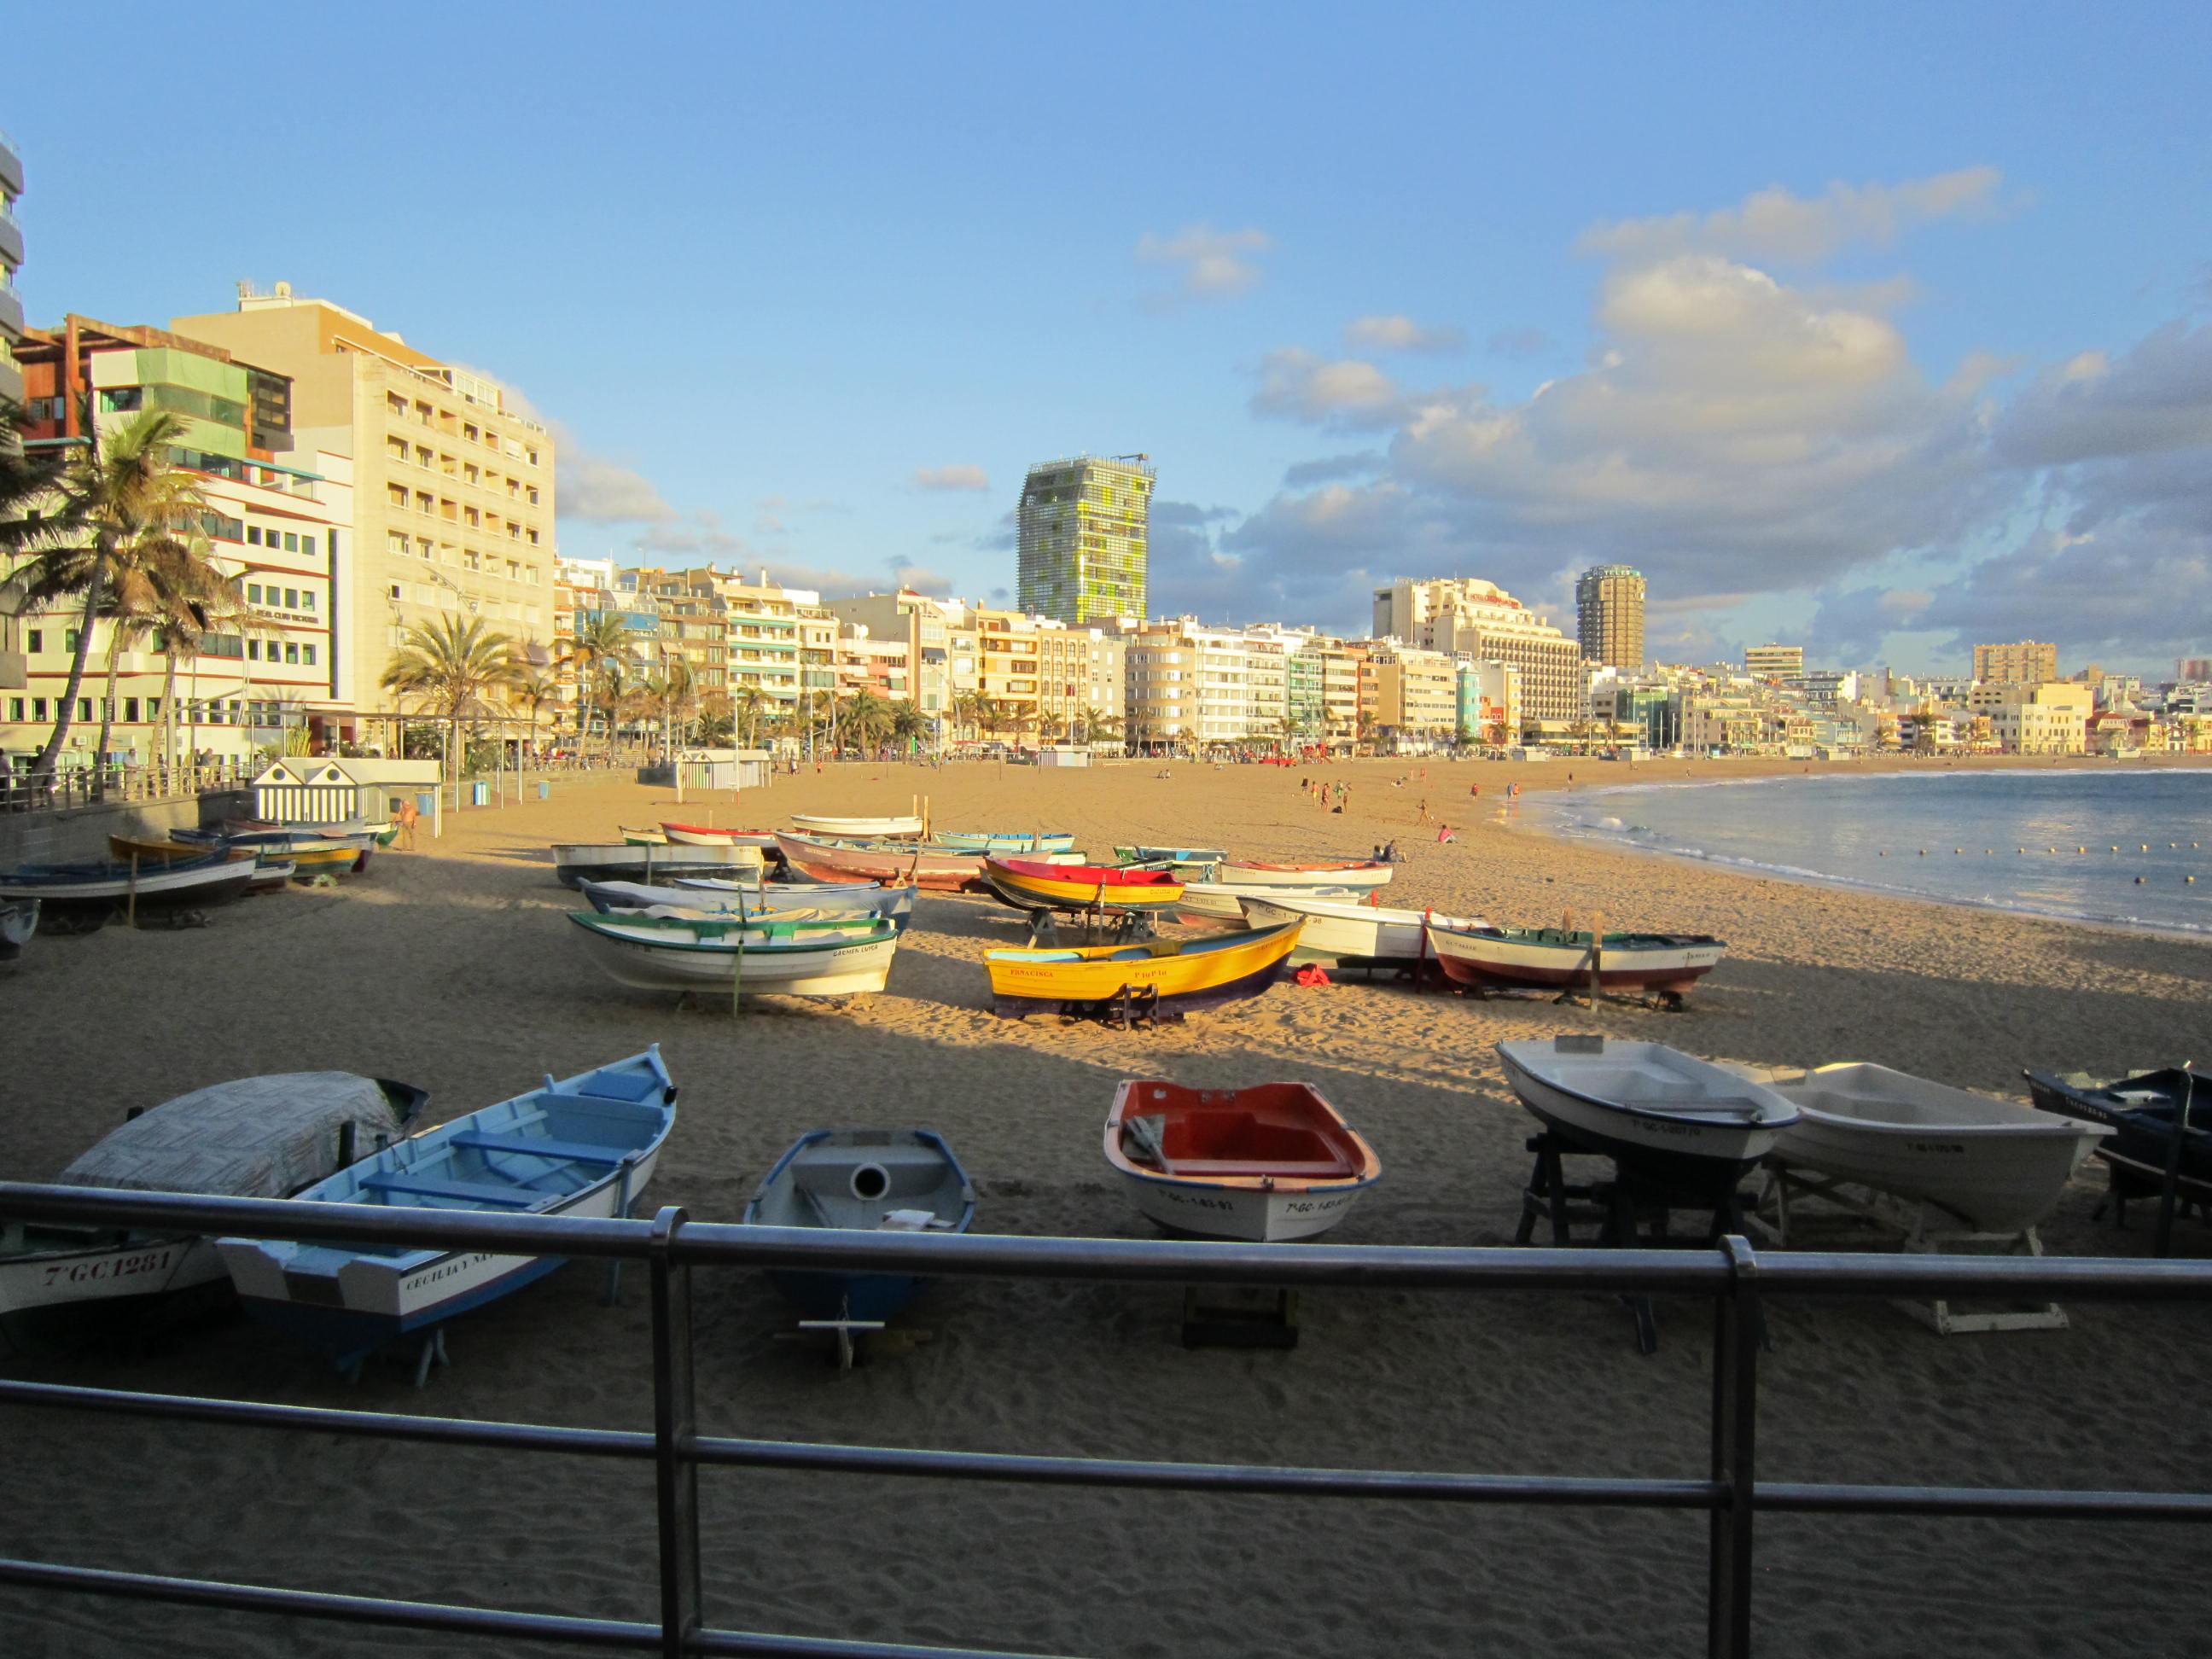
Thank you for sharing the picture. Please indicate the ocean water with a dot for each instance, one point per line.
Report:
(1957, 836)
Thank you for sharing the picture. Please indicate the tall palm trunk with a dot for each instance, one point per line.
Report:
(107, 712)
(49, 756)
(169, 716)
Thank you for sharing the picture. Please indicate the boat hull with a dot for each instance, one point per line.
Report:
(1017, 843)
(702, 834)
(1222, 901)
(886, 829)
(1026, 982)
(1362, 876)
(50, 1294)
(617, 861)
(1337, 931)
(859, 969)
(2141, 1145)
(1504, 961)
(1677, 1155)
(939, 872)
(177, 887)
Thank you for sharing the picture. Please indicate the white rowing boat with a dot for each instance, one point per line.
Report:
(1339, 929)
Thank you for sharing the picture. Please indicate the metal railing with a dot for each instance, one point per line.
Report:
(1732, 1275)
(122, 785)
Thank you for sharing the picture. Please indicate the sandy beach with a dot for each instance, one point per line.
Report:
(452, 966)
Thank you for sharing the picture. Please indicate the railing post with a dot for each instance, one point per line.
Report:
(1735, 1431)
(674, 1434)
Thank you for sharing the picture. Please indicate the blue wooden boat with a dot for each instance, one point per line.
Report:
(583, 1147)
(1006, 841)
(871, 1180)
(73, 897)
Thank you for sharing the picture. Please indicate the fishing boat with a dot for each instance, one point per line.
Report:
(1678, 1122)
(653, 836)
(937, 871)
(80, 894)
(1665, 964)
(705, 835)
(19, 919)
(2142, 1111)
(1034, 884)
(894, 904)
(864, 1180)
(380, 833)
(844, 956)
(890, 828)
(272, 867)
(1995, 1164)
(1193, 863)
(1003, 840)
(259, 1137)
(1224, 900)
(1182, 973)
(1344, 930)
(584, 1146)
(309, 855)
(575, 861)
(1263, 1164)
(1362, 873)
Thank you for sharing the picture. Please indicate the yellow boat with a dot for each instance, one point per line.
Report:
(166, 853)
(1031, 884)
(1180, 973)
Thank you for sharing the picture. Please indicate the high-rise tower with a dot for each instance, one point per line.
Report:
(1609, 616)
(1085, 535)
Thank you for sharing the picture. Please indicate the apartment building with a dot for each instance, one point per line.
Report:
(1461, 616)
(818, 648)
(1080, 670)
(1189, 684)
(275, 525)
(1341, 667)
(452, 484)
(1489, 699)
(11, 261)
(1774, 662)
(1084, 535)
(1609, 616)
(2025, 662)
(882, 667)
(1410, 696)
(940, 644)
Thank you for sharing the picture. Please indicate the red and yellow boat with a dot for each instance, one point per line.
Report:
(1029, 885)
(1194, 973)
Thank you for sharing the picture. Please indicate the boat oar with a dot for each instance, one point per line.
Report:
(737, 967)
(2166, 1198)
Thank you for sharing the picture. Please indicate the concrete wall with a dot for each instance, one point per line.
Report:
(74, 836)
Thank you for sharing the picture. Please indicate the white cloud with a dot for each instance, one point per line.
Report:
(1212, 263)
(1295, 385)
(592, 489)
(1400, 333)
(957, 477)
(1773, 224)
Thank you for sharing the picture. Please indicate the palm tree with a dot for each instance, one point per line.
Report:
(599, 644)
(117, 498)
(986, 713)
(449, 663)
(173, 594)
(908, 724)
(746, 706)
(536, 687)
(869, 719)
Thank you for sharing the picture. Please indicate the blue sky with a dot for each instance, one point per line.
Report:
(1878, 327)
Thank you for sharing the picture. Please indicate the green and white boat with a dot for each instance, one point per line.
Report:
(845, 956)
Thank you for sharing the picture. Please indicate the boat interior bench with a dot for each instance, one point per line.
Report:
(1295, 1169)
(574, 1152)
(470, 1192)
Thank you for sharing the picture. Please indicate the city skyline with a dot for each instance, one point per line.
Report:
(1886, 392)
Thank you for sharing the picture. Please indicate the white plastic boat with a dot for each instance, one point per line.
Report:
(1996, 1164)
(1361, 874)
(1338, 929)
(817, 824)
(1224, 900)
(844, 957)
(1267, 1165)
(1675, 1121)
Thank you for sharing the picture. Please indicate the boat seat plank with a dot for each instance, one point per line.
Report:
(470, 1191)
(1293, 1168)
(574, 1152)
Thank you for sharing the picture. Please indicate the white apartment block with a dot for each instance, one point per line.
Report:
(1462, 616)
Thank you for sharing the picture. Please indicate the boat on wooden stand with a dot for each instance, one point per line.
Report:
(1676, 1122)
(73, 897)
(2145, 1113)
(1156, 975)
(932, 871)
(1360, 873)
(705, 834)
(1034, 884)
(1268, 1163)
(1224, 900)
(259, 1137)
(584, 1146)
(847, 955)
(1343, 930)
(1017, 842)
(575, 861)
(857, 828)
(1665, 965)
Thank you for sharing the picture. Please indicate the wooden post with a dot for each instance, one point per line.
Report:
(130, 909)
(737, 966)
(2164, 1245)
(1597, 951)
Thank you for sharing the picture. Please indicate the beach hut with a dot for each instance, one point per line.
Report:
(726, 768)
(300, 789)
(1064, 754)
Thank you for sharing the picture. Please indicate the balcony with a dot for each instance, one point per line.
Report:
(11, 240)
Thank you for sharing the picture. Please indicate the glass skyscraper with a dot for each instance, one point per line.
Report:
(1084, 537)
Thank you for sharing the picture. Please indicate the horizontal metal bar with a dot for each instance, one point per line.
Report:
(327, 1419)
(444, 1616)
(1287, 1481)
(1698, 1272)
(322, 1604)
(1997, 1502)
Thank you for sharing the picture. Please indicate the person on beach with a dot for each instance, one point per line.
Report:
(1424, 813)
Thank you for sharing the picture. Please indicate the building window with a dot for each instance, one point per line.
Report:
(253, 535)
(307, 599)
(291, 652)
(291, 599)
(38, 709)
(15, 708)
(254, 592)
(253, 649)
(131, 711)
(308, 655)
(35, 638)
(308, 545)
(291, 542)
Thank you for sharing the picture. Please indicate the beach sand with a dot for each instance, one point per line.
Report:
(452, 966)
